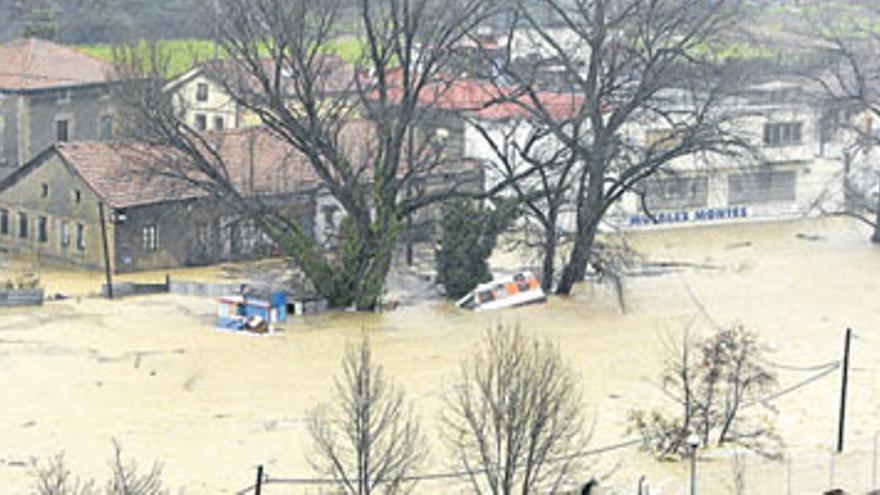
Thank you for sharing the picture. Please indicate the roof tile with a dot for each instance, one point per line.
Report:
(39, 64)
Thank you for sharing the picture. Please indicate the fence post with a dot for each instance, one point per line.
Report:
(258, 487)
(843, 386)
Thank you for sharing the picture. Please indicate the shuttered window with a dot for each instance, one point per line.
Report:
(679, 192)
(761, 187)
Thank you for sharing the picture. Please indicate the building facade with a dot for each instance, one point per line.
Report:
(794, 166)
(50, 93)
(65, 204)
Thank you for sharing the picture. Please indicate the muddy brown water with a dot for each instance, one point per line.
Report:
(153, 374)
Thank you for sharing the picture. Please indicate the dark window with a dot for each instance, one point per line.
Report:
(42, 229)
(105, 128)
(783, 134)
(23, 225)
(65, 234)
(62, 131)
(150, 238)
(80, 237)
(201, 122)
(44, 190)
(678, 192)
(202, 92)
(761, 187)
(4, 221)
(219, 125)
(77, 197)
(329, 212)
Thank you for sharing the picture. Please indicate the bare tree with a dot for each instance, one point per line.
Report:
(278, 69)
(629, 64)
(367, 439)
(712, 381)
(54, 478)
(515, 145)
(126, 480)
(515, 421)
(848, 79)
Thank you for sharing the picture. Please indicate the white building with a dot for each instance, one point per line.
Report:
(797, 169)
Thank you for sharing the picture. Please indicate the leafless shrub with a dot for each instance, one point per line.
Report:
(367, 439)
(126, 480)
(711, 380)
(515, 420)
(52, 477)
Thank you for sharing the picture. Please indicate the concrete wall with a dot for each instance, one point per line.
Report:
(59, 205)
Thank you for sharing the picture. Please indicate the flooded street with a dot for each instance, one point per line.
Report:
(152, 372)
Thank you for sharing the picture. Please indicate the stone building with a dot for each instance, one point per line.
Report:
(50, 93)
(51, 207)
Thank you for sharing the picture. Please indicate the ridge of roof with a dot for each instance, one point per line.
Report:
(33, 64)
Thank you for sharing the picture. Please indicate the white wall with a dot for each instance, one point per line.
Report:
(818, 169)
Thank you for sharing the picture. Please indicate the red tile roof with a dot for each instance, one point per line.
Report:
(488, 101)
(38, 64)
(257, 162)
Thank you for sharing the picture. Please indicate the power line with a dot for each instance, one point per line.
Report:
(827, 369)
(447, 475)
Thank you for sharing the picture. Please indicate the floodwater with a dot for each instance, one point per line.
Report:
(153, 374)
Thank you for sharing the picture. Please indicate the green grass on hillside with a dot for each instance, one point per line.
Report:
(184, 53)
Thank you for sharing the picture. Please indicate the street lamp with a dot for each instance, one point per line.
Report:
(693, 442)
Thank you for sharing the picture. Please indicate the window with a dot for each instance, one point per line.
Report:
(105, 128)
(201, 122)
(80, 237)
(4, 221)
(761, 187)
(219, 125)
(65, 234)
(150, 238)
(62, 131)
(329, 212)
(42, 229)
(23, 225)
(44, 190)
(202, 92)
(782, 134)
(77, 197)
(678, 192)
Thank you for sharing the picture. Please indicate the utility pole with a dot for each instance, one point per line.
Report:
(844, 382)
(258, 488)
(693, 442)
(108, 272)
